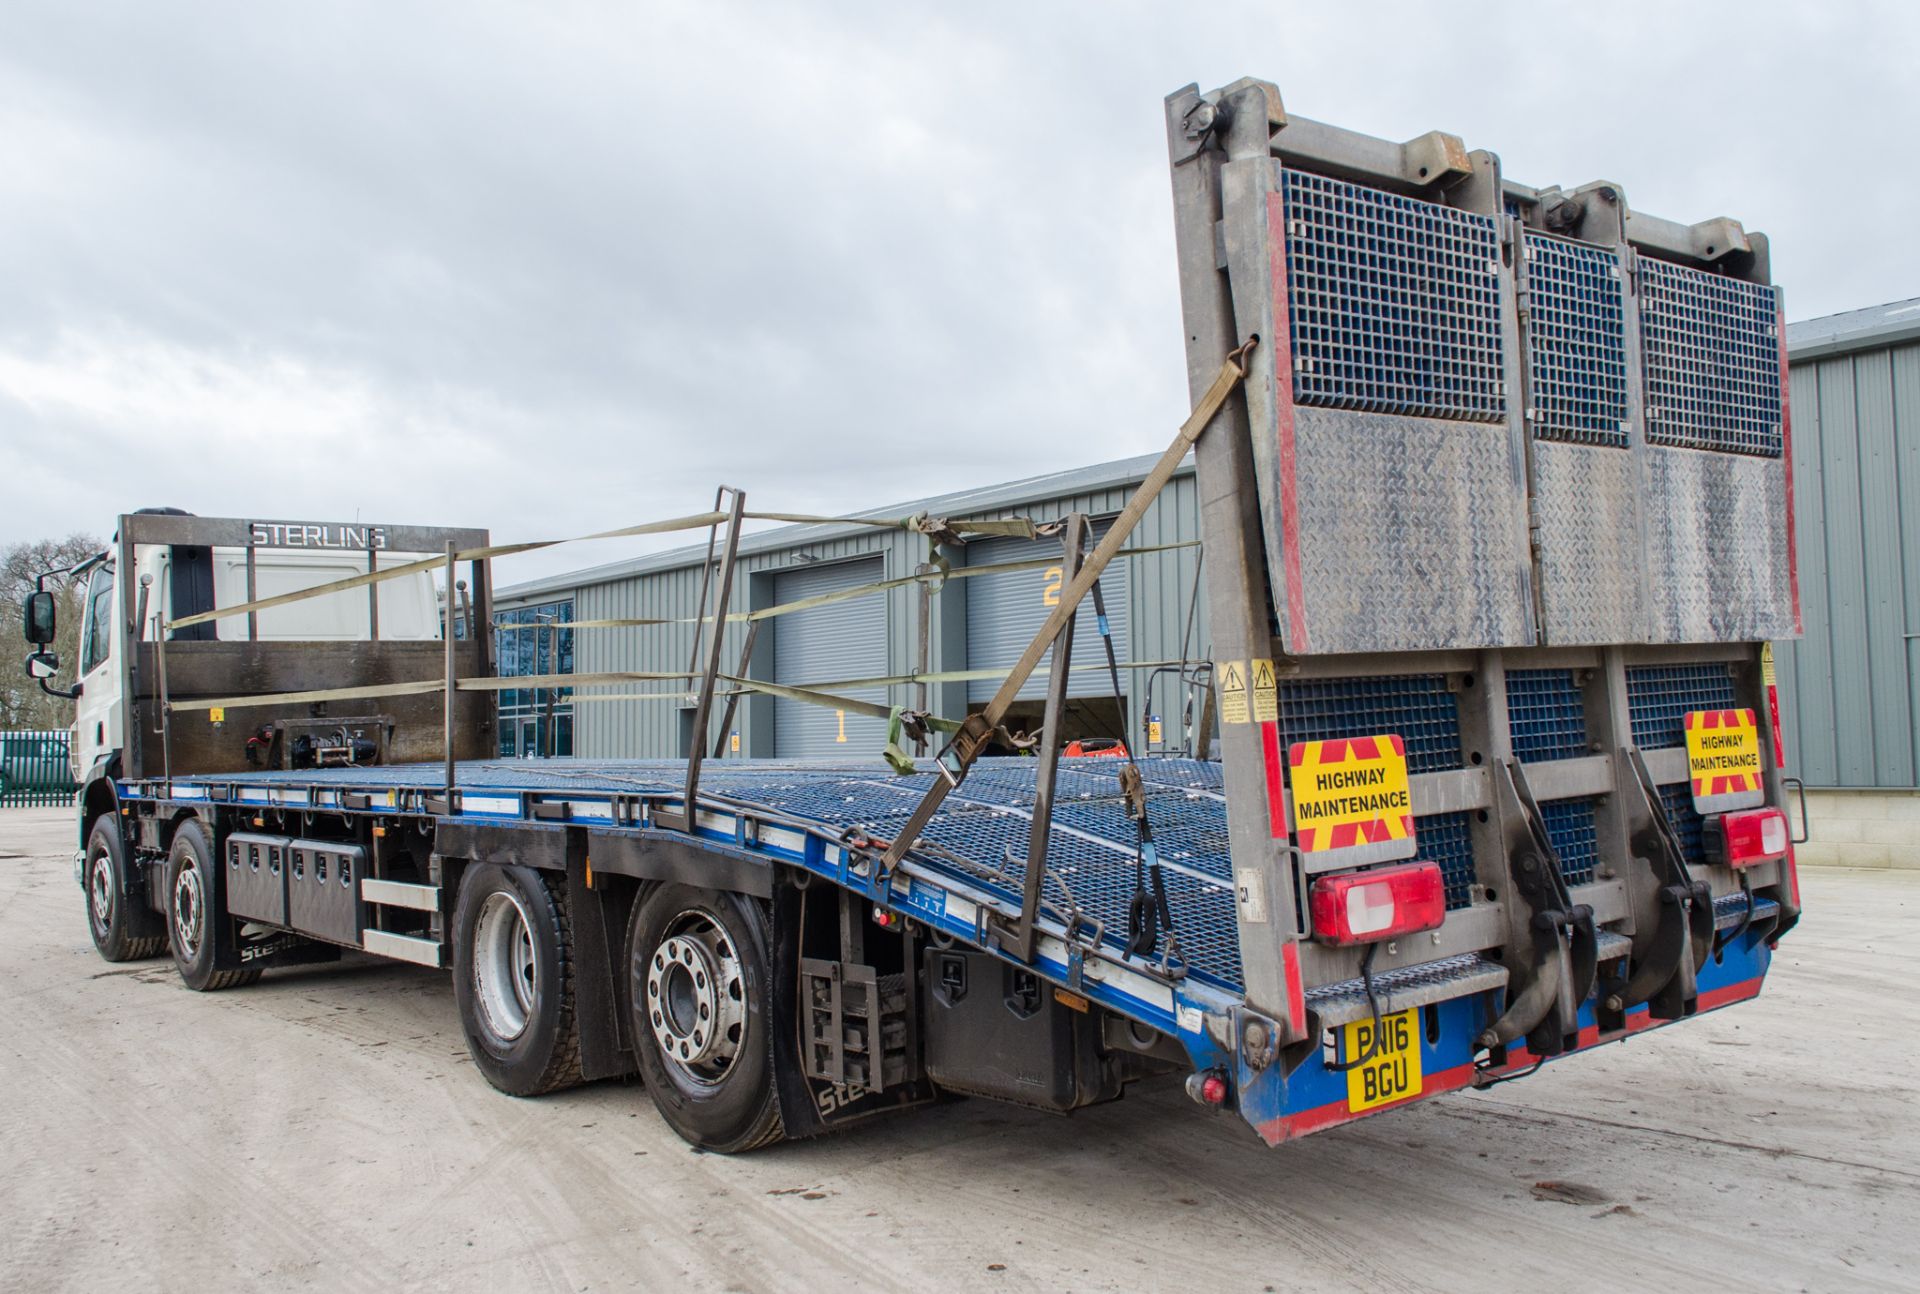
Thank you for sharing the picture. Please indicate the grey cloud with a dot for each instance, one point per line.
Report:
(551, 268)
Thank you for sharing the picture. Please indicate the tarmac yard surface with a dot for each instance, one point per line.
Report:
(324, 1129)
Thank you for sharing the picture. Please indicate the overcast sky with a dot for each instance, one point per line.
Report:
(560, 267)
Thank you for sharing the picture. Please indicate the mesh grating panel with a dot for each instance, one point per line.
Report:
(1660, 696)
(1570, 827)
(1546, 714)
(1444, 840)
(1711, 350)
(1395, 304)
(1576, 343)
(1678, 798)
(1416, 706)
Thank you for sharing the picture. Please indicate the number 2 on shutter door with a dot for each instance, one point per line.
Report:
(1050, 593)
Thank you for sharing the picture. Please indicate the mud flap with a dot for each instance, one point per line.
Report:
(1559, 975)
(1664, 976)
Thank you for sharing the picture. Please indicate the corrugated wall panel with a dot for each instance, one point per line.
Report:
(1851, 706)
(841, 640)
(1906, 405)
(1155, 608)
(1006, 610)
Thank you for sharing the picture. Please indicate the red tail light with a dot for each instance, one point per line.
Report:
(1745, 838)
(1366, 907)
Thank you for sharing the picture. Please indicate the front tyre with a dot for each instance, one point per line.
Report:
(700, 980)
(194, 910)
(122, 931)
(513, 978)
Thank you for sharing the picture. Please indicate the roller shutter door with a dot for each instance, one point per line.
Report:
(840, 640)
(1005, 611)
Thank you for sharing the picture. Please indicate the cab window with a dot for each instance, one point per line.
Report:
(97, 631)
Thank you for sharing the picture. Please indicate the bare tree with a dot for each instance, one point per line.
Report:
(22, 704)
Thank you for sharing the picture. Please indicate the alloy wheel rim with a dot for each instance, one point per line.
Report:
(506, 976)
(696, 998)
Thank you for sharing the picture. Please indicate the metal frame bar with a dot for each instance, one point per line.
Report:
(703, 705)
(1021, 935)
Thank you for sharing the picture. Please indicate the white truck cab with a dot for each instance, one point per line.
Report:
(283, 558)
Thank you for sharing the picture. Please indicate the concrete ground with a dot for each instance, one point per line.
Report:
(324, 1129)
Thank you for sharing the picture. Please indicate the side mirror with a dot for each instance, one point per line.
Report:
(37, 618)
(43, 664)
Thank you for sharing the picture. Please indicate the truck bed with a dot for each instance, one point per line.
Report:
(977, 840)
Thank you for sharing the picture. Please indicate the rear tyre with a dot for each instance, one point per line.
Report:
(513, 978)
(700, 980)
(194, 910)
(122, 931)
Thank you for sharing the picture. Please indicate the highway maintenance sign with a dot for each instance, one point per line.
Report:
(1723, 760)
(1351, 802)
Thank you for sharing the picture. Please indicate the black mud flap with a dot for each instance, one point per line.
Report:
(1559, 973)
(1663, 975)
(809, 1107)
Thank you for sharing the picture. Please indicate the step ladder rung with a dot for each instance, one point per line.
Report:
(401, 894)
(406, 948)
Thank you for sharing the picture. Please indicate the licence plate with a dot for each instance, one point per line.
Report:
(1393, 1072)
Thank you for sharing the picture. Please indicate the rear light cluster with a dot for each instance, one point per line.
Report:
(1366, 907)
(1745, 838)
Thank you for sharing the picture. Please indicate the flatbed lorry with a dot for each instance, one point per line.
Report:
(1497, 517)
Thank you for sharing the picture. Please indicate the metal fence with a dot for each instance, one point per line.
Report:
(34, 770)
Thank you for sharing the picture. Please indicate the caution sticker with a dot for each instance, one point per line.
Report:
(1266, 693)
(1723, 759)
(1352, 796)
(1233, 691)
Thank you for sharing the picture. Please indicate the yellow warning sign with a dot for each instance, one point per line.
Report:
(1153, 731)
(1723, 759)
(1766, 664)
(1266, 693)
(1233, 691)
(1352, 793)
(218, 714)
(733, 742)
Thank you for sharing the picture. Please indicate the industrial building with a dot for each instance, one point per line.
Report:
(1850, 689)
(946, 627)
(1850, 699)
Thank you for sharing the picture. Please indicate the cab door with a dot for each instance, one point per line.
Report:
(97, 721)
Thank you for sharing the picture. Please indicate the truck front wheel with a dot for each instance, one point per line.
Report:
(194, 909)
(513, 978)
(122, 931)
(700, 983)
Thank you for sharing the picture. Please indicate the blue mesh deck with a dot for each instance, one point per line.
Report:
(1417, 706)
(1659, 697)
(1570, 827)
(1576, 342)
(980, 834)
(1710, 348)
(1394, 303)
(1678, 798)
(1546, 715)
(1444, 840)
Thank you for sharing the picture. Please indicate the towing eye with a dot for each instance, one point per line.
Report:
(1566, 946)
(1665, 976)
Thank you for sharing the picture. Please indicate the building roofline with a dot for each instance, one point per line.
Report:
(962, 503)
(1854, 330)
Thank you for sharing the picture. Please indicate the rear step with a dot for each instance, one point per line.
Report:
(406, 948)
(1437, 981)
(400, 894)
(416, 898)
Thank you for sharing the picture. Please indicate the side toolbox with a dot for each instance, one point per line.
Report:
(323, 890)
(257, 877)
(997, 1031)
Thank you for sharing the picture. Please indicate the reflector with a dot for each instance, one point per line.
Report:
(1365, 907)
